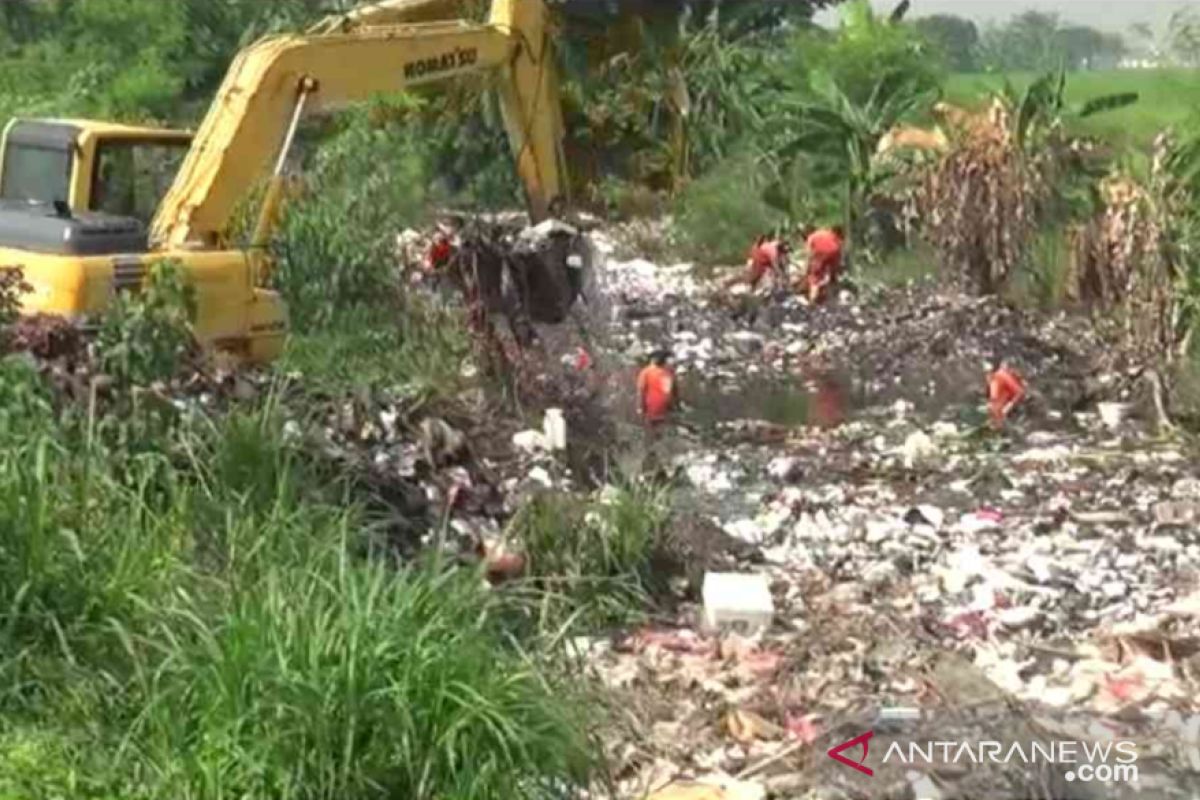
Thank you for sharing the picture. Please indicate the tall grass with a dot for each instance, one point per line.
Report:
(189, 624)
(719, 215)
(591, 558)
(344, 680)
(1042, 281)
(415, 344)
(901, 267)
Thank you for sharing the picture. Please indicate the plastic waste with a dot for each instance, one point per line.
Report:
(555, 429)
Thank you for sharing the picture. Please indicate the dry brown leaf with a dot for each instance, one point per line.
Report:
(747, 727)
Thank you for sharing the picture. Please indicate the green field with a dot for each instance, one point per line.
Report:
(1168, 97)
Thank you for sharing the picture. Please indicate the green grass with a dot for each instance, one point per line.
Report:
(1168, 97)
(192, 605)
(196, 629)
(420, 347)
(1041, 282)
(189, 623)
(590, 558)
(901, 267)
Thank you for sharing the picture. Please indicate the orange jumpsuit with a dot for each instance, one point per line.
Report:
(656, 392)
(1005, 389)
(440, 253)
(824, 263)
(764, 257)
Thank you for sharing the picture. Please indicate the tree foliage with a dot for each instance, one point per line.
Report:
(864, 46)
(957, 39)
(845, 132)
(1183, 36)
(131, 59)
(1038, 41)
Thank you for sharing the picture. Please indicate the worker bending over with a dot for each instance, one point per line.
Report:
(767, 255)
(824, 262)
(656, 389)
(1005, 389)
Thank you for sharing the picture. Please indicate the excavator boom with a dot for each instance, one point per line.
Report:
(75, 195)
(351, 59)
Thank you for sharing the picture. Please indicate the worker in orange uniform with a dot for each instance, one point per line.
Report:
(441, 250)
(656, 389)
(583, 360)
(767, 255)
(1005, 389)
(824, 262)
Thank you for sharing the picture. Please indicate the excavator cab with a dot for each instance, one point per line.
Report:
(118, 170)
(74, 187)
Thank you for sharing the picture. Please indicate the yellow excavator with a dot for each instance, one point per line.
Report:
(84, 209)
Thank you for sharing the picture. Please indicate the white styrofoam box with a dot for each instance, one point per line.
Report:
(737, 602)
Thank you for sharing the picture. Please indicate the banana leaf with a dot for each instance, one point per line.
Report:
(1105, 103)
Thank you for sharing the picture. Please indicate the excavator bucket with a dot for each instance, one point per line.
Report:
(550, 260)
(534, 274)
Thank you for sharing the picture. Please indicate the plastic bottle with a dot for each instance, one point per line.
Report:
(555, 429)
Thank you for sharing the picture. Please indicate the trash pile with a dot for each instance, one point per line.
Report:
(886, 564)
(917, 563)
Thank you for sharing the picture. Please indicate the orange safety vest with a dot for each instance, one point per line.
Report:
(1004, 387)
(656, 391)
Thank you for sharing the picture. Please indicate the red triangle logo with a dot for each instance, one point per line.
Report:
(836, 752)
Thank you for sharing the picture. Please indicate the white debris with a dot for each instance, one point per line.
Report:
(944, 430)
(918, 448)
(1113, 414)
(737, 602)
(1019, 616)
(746, 530)
(928, 515)
(785, 469)
(555, 429)
(540, 476)
(923, 787)
(976, 523)
(529, 441)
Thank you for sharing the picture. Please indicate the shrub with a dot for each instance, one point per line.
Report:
(145, 336)
(981, 207)
(415, 345)
(12, 286)
(593, 557)
(719, 215)
(1043, 282)
(337, 242)
(865, 46)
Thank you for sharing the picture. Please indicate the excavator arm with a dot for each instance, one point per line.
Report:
(349, 59)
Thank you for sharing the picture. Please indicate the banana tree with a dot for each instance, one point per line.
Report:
(1042, 109)
(844, 134)
(672, 84)
(1041, 121)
